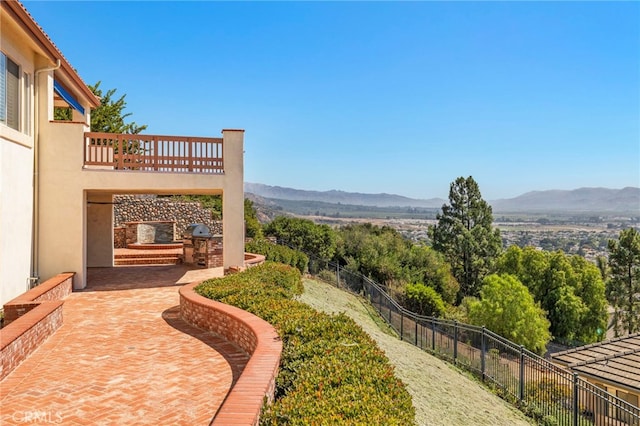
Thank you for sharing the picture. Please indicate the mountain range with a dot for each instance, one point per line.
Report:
(625, 200)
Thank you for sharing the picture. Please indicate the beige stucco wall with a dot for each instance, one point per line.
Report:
(16, 177)
(233, 199)
(99, 213)
(16, 195)
(612, 388)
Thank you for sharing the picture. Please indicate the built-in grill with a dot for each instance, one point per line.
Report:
(197, 230)
(200, 247)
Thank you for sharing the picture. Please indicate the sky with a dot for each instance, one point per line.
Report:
(373, 97)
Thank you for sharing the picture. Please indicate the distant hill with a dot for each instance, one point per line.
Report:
(577, 200)
(339, 197)
(626, 200)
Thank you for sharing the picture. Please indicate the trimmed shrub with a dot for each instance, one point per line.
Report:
(278, 253)
(424, 300)
(331, 371)
(327, 276)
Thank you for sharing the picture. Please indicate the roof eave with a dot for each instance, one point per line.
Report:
(28, 24)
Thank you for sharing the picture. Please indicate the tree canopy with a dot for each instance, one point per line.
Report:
(423, 300)
(253, 229)
(464, 234)
(507, 308)
(383, 254)
(303, 234)
(109, 117)
(623, 286)
(569, 288)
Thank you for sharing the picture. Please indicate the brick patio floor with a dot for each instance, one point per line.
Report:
(124, 357)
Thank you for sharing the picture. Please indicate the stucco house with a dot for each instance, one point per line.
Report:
(57, 179)
(612, 365)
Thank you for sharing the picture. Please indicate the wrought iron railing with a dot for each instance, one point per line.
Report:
(542, 389)
(114, 151)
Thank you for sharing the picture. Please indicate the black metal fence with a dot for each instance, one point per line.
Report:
(542, 389)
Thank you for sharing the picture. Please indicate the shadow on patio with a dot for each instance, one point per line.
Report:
(137, 277)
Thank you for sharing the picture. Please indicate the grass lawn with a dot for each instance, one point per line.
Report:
(442, 395)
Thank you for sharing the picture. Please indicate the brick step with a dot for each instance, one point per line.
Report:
(166, 246)
(143, 255)
(149, 261)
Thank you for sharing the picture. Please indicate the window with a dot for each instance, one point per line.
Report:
(13, 112)
(26, 127)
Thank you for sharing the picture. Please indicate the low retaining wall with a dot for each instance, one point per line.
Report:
(31, 318)
(255, 336)
(56, 288)
(252, 259)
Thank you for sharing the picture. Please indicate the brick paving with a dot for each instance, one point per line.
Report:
(124, 357)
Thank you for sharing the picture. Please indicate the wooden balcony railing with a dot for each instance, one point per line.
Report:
(113, 151)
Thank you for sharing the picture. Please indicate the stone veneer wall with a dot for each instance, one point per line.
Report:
(120, 237)
(141, 208)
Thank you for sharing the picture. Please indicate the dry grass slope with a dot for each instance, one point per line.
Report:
(441, 394)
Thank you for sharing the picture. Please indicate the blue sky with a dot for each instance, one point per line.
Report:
(396, 97)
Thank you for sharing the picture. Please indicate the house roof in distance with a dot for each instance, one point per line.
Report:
(616, 361)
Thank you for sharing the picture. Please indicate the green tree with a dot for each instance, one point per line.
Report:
(569, 288)
(423, 300)
(303, 234)
(590, 288)
(253, 229)
(373, 251)
(507, 308)
(383, 254)
(464, 234)
(623, 287)
(109, 117)
(428, 266)
(603, 266)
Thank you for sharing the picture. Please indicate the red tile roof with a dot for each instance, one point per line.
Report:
(23, 18)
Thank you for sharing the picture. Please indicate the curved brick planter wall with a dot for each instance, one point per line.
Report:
(32, 317)
(255, 336)
(251, 259)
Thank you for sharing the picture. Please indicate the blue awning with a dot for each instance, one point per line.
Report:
(67, 97)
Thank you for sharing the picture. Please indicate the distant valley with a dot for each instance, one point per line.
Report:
(582, 200)
(581, 221)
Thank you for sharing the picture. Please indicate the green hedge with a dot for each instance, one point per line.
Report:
(278, 253)
(331, 371)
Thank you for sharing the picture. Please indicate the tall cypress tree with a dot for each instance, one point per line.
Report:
(464, 234)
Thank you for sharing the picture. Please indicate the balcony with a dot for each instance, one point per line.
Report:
(171, 154)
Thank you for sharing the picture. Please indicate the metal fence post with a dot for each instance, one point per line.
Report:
(576, 411)
(416, 335)
(521, 387)
(433, 334)
(483, 352)
(338, 274)
(455, 340)
(401, 325)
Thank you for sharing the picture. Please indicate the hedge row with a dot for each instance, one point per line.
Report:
(331, 371)
(278, 253)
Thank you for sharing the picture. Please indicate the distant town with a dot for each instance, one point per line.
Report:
(586, 233)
